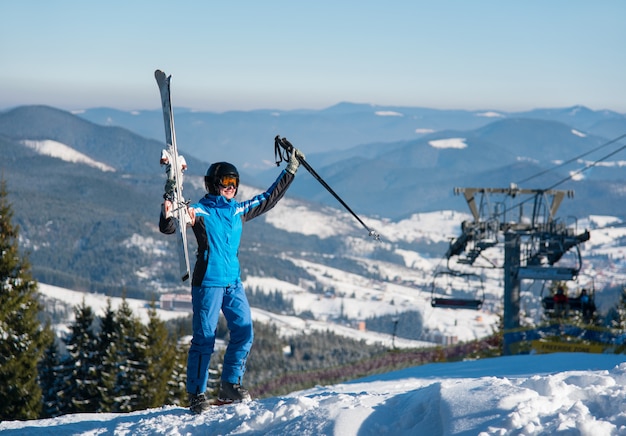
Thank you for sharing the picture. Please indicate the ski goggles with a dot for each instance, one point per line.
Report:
(228, 181)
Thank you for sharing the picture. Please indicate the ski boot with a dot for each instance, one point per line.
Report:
(233, 393)
(199, 403)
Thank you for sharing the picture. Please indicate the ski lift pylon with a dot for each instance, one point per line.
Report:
(445, 302)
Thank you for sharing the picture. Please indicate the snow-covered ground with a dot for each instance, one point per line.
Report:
(566, 394)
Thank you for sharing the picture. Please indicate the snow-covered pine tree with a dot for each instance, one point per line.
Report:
(618, 314)
(177, 384)
(107, 350)
(131, 354)
(50, 382)
(160, 360)
(83, 362)
(23, 338)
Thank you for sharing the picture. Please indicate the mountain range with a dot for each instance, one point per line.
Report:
(395, 161)
(86, 187)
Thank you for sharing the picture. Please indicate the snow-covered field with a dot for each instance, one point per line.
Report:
(565, 394)
(98, 303)
(289, 325)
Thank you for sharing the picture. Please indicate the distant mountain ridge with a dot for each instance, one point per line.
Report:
(395, 180)
(211, 136)
(384, 146)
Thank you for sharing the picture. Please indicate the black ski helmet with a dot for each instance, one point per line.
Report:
(215, 172)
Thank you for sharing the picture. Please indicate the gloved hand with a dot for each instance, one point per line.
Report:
(294, 163)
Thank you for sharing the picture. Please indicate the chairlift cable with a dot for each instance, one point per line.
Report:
(572, 159)
(593, 164)
(571, 176)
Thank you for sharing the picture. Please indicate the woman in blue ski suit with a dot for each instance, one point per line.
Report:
(217, 221)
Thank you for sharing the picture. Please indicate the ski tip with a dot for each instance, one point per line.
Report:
(185, 277)
(160, 76)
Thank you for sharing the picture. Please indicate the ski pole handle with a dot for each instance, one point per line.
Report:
(282, 142)
(288, 150)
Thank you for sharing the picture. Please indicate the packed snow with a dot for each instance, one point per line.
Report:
(569, 394)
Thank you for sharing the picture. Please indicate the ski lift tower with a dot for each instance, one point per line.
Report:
(534, 240)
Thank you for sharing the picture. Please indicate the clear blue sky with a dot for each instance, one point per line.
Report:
(224, 55)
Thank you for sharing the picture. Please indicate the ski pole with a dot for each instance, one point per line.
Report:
(284, 143)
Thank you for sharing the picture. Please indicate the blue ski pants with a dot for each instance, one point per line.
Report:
(207, 303)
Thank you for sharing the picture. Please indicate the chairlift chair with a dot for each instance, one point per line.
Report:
(444, 302)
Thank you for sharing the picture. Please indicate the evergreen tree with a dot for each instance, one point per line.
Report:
(109, 367)
(51, 382)
(131, 375)
(64, 385)
(266, 357)
(23, 339)
(177, 382)
(618, 313)
(160, 355)
(83, 362)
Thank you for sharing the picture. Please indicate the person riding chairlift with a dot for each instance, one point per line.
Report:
(560, 302)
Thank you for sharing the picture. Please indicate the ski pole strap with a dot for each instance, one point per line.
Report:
(281, 150)
(284, 156)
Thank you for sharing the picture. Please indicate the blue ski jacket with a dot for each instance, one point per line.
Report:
(218, 226)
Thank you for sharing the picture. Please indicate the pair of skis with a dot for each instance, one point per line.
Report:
(174, 166)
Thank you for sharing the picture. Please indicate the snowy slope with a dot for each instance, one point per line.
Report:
(287, 325)
(98, 302)
(64, 152)
(569, 394)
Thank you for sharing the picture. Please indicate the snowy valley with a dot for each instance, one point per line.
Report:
(351, 298)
